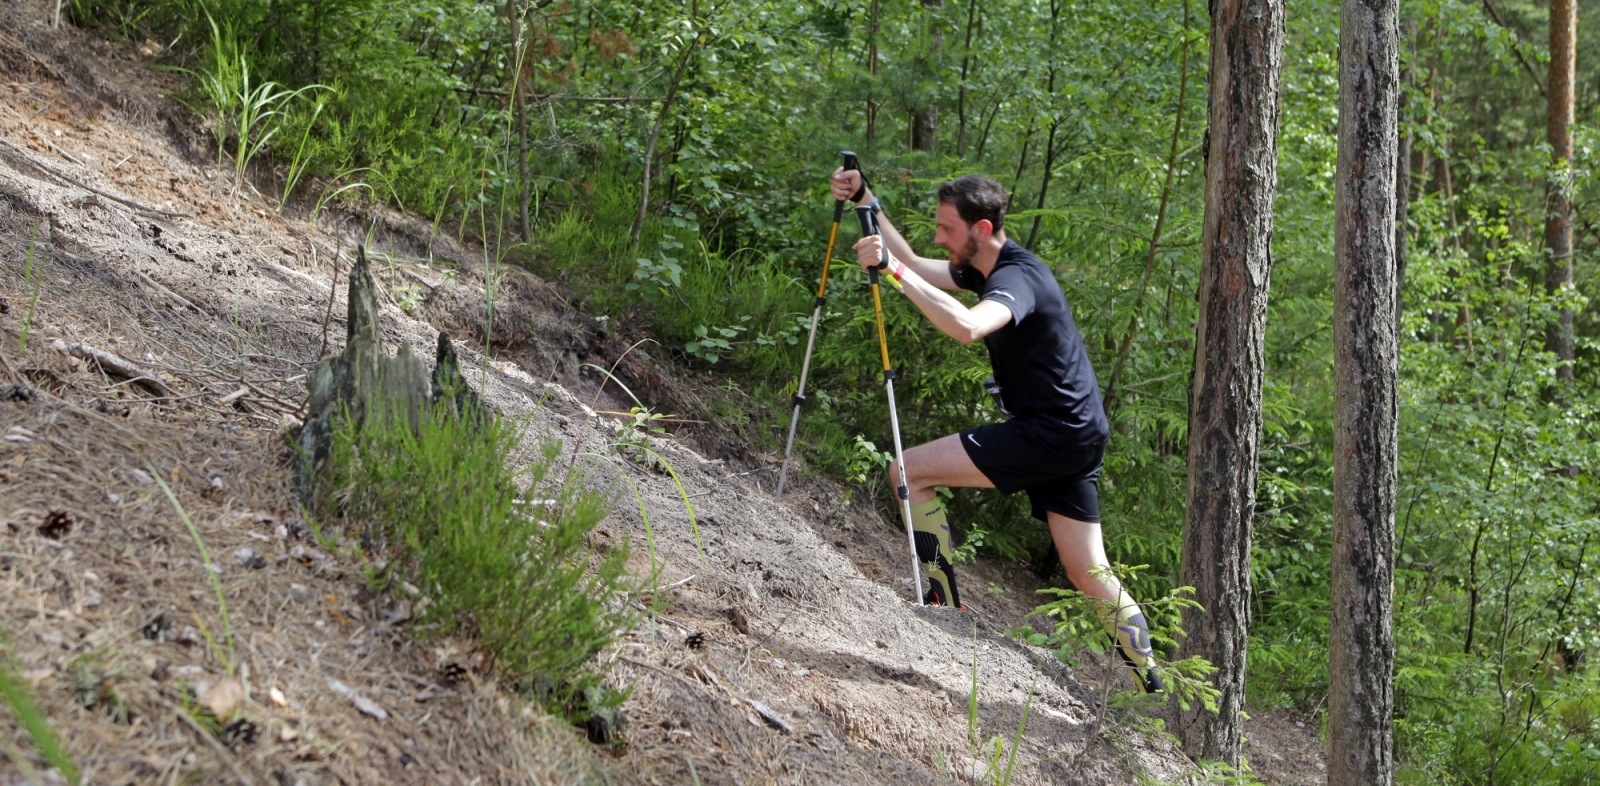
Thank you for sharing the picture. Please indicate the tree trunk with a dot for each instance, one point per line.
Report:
(872, 69)
(655, 133)
(1366, 407)
(925, 120)
(1225, 391)
(1402, 195)
(1055, 125)
(518, 92)
(968, 59)
(1558, 132)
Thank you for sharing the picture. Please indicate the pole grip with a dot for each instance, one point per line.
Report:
(869, 225)
(852, 164)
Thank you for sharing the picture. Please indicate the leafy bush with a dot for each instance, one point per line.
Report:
(498, 554)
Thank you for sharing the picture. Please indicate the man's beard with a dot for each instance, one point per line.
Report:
(963, 259)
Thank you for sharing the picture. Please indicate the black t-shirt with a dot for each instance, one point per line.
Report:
(1039, 359)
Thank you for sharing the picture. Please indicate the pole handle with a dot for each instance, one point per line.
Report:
(869, 226)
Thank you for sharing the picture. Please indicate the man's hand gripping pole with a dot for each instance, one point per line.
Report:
(850, 164)
(869, 226)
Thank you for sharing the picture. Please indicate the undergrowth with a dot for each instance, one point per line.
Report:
(498, 554)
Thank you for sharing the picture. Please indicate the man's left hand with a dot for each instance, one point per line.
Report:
(870, 250)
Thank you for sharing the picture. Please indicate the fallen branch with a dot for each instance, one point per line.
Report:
(91, 189)
(112, 364)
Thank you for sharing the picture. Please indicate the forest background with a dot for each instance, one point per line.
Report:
(537, 127)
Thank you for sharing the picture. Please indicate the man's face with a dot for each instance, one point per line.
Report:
(954, 235)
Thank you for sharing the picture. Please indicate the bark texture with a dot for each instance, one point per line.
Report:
(1225, 391)
(1558, 132)
(365, 379)
(925, 120)
(1365, 435)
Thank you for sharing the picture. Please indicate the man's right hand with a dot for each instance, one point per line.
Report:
(846, 183)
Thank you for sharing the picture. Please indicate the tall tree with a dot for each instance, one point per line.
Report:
(1366, 400)
(872, 71)
(1225, 392)
(925, 120)
(1558, 132)
(969, 59)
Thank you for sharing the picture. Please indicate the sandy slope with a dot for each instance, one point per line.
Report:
(795, 616)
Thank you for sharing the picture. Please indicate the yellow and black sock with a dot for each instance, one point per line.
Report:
(931, 532)
(1130, 632)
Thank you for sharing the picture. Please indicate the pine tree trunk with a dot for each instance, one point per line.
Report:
(925, 120)
(1558, 132)
(1366, 407)
(968, 60)
(1225, 391)
(872, 70)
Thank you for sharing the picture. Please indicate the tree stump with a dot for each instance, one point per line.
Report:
(365, 380)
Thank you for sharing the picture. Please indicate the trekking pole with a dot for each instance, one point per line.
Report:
(850, 165)
(869, 226)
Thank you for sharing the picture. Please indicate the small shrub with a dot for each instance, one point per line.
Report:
(499, 555)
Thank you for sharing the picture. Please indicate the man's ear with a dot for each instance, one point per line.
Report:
(984, 228)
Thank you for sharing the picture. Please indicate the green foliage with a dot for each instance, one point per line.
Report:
(1076, 617)
(497, 554)
(244, 112)
(1498, 529)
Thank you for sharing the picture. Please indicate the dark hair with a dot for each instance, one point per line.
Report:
(976, 198)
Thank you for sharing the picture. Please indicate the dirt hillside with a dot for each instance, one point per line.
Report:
(170, 320)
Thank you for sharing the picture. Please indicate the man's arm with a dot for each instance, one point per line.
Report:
(933, 271)
(963, 324)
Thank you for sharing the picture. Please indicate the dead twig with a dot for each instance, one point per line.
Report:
(333, 291)
(173, 296)
(113, 364)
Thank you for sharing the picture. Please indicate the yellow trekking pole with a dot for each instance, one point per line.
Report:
(869, 226)
(850, 164)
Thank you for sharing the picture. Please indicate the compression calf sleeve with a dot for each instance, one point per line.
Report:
(931, 532)
(1130, 633)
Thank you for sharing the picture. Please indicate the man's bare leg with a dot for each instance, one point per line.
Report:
(942, 462)
(1083, 554)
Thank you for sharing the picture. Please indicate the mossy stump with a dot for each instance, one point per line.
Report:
(366, 379)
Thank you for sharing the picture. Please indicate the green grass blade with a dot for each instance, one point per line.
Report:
(21, 703)
(209, 567)
(1016, 742)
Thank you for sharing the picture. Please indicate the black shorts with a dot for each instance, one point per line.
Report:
(1020, 455)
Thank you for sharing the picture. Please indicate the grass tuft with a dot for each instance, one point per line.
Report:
(500, 555)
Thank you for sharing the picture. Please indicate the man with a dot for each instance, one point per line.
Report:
(1053, 442)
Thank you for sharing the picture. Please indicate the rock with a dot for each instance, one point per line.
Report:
(247, 557)
(224, 698)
